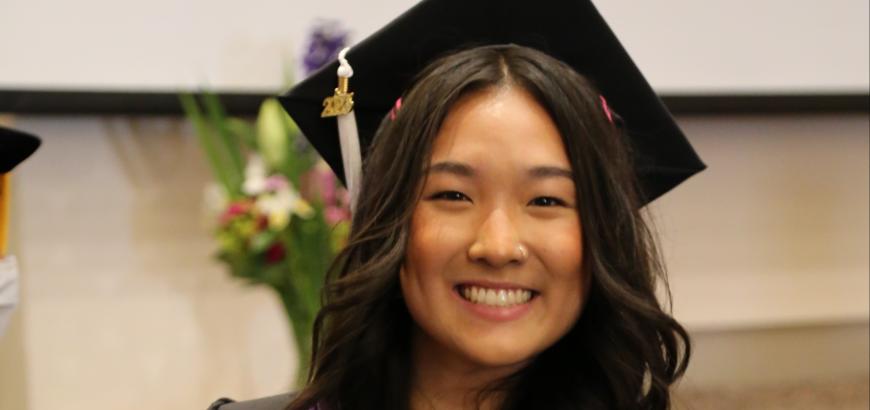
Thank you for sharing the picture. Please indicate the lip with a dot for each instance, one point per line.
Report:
(495, 313)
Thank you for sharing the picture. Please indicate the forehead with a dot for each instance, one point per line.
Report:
(505, 125)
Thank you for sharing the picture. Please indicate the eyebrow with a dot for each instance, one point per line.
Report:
(465, 170)
(550, 171)
(451, 167)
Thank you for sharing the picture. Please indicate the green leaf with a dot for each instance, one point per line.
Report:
(245, 132)
(262, 241)
(209, 144)
(309, 243)
(229, 144)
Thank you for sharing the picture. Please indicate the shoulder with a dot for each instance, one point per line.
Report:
(278, 402)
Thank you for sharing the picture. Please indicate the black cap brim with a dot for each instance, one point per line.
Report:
(15, 147)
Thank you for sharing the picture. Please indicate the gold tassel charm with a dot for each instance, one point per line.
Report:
(340, 103)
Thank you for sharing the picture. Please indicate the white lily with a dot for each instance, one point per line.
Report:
(272, 132)
(255, 176)
(281, 204)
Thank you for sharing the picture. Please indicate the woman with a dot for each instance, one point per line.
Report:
(498, 257)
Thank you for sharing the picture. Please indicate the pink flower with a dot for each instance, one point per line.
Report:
(276, 182)
(326, 182)
(235, 209)
(321, 186)
(336, 214)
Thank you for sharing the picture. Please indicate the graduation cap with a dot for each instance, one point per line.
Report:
(15, 147)
(570, 30)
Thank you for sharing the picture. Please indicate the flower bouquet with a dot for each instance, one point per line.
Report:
(280, 216)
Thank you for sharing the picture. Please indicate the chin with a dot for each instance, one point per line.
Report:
(499, 355)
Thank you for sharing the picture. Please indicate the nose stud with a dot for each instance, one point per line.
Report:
(523, 252)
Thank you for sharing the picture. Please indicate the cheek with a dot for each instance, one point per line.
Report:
(432, 247)
(435, 239)
(561, 250)
(426, 245)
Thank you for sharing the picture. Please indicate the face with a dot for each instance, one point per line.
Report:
(492, 273)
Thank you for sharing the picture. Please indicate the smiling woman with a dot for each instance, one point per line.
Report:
(498, 256)
(492, 268)
(492, 274)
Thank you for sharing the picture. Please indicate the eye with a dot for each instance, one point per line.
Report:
(547, 201)
(450, 196)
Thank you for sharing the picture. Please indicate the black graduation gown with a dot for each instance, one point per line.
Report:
(278, 402)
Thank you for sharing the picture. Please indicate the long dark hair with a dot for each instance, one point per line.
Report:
(623, 353)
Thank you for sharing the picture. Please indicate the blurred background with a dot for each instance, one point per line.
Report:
(123, 305)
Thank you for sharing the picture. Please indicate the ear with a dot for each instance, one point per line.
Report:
(403, 272)
(403, 281)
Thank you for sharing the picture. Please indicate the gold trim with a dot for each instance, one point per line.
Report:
(339, 103)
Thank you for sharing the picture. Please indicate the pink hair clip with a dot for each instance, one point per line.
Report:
(606, 109)
(395, 109)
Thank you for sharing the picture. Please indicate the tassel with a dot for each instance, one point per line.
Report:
(340, 105)
(350, 155)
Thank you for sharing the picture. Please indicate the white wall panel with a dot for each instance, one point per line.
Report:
(684, 46)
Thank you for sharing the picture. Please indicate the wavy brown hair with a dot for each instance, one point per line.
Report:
(624, 352)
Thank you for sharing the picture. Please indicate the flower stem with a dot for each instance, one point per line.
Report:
(301, 318)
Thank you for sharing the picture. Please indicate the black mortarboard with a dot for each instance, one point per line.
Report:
(570, 30)
(15, 146)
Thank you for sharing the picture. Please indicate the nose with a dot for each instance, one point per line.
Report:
(497, 242)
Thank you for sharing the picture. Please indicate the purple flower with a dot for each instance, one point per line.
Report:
(326, 40)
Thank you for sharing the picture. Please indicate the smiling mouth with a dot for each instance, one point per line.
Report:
(495, 297)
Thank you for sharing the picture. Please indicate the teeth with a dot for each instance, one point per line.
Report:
(496, 297)
(490, 298)
(511, 297)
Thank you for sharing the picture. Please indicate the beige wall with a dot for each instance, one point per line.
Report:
(775, 232)
(122, 306)
(782, 45)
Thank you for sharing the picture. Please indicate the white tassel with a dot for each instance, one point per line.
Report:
(350, 155)
(348, 137)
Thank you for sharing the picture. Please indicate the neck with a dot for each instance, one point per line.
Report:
(445, 380)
